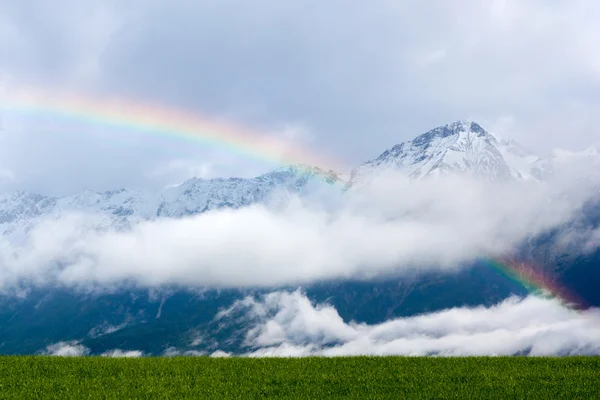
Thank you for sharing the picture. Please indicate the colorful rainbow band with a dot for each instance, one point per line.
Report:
(166, 122)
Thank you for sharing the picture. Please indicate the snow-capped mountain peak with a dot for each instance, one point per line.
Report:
(463, 128)
(460, 147)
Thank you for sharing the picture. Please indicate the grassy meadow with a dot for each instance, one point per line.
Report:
(42, 377)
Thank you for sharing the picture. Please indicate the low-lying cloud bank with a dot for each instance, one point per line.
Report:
(391, 226)
(66, 349)
(74, 349)
(288, 324)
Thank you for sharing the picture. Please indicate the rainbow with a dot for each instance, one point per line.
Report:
(535, 281)
(161, 121)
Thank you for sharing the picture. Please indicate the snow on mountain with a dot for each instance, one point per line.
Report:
(120, 203)
(462, 147)
(21, 205)
(197, 195)
(563, 156)
(523, 163)
(20, 211)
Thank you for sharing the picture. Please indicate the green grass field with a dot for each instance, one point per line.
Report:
(306, 378)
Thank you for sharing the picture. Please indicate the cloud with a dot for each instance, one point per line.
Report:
(219, 163)
(284, 324)
(7, 175)
(63, 42)
(74, 349)
(434, 57)
(174, 352)
(593, 241)
(579, 241)
(497, 62)
(106, 328)
(353, 73)
(220, 354)
(173, 172)
(66, 349)
(118, 353)
(288, 324)
(376, 231)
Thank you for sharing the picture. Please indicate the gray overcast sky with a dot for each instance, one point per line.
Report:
(346, 78)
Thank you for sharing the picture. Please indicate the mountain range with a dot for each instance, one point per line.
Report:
(170, 317)
(462, 147)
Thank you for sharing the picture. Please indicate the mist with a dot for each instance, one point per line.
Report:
(288, 324)
(393, 225)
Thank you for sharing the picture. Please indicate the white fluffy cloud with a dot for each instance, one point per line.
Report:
(66, 349)
(74, 349)
(394, 226)
(174, 352)
(220, 354)
(288, 324)
(118, 353)
(284, 324)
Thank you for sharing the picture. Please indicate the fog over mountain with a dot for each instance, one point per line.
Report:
(449, 196)
(405, 227)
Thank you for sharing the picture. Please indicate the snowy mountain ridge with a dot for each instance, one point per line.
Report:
(19, 210)
(462, 147)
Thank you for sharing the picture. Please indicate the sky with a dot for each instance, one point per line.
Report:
(342, 79)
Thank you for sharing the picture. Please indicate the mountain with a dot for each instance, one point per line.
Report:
(184, 318)
(196, 195)
(156, 320)
(20, 211)
(462, 147)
